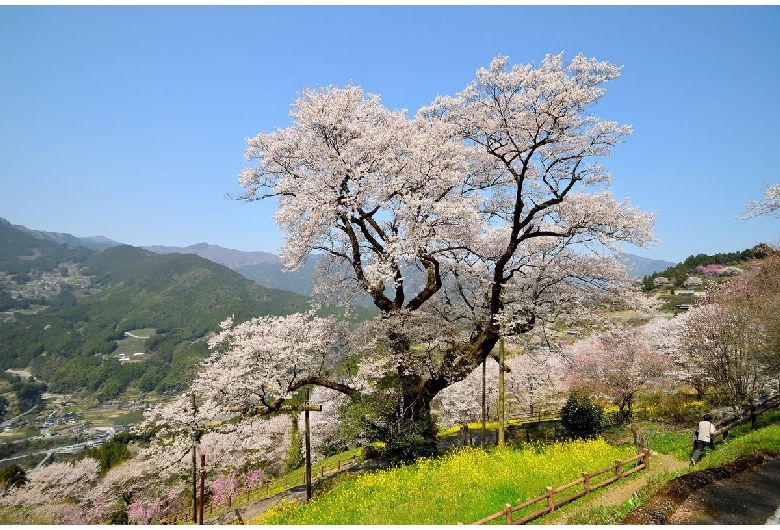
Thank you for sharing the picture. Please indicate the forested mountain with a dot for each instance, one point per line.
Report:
(84, 301)
(262, 267)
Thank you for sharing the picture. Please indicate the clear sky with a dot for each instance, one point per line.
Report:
(130, 122)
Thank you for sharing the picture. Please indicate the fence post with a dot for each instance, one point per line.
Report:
(586, 481)
(508, 512)
(619, 468)
(338, 464)
(550, 500)
(646, 458)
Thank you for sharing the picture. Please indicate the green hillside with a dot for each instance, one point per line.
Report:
(680, 272)
(85, 301)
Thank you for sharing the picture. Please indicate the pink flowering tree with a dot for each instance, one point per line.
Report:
(252, 479)
(617, 364)
(143, 513)
(465, 194)
(709, 270)
(224, 489)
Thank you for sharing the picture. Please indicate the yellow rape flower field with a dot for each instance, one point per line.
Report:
(463, 486)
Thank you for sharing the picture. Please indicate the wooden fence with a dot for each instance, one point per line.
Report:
(617, 472)
(270, 488)
(291, 481)
(538, 427)
(749, 414)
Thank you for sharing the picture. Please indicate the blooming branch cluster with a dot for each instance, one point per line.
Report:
(769, 205)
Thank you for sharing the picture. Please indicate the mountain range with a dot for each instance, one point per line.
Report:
(267, 269)
(67, 310)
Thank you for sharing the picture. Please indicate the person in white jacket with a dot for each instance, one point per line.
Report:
(703, 435)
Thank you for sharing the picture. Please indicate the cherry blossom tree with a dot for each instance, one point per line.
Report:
(664, 335)
(617, 364)
(769, 205)
(730, 340)
(536, 379)
(709, 270)
(252, 478)
(224, 489)
(56, 494)
(721, 345)
(470, 195)
(461, 402)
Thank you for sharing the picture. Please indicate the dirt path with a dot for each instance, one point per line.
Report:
(614, 496)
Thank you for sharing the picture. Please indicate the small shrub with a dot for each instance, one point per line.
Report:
(581, 417)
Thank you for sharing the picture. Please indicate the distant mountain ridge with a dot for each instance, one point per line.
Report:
(92, 242)
(266, 268)
(640, 267)
(224, 256)
(263, 267)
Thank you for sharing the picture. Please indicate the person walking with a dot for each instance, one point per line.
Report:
(703, 435)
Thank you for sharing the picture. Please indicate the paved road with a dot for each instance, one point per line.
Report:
(749, 497)
(746, 491)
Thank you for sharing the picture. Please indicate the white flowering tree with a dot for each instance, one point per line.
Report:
(769, 205)
(447, 217)
(536, 379)
(57, 493)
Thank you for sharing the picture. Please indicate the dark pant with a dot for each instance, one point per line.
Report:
(698, 449)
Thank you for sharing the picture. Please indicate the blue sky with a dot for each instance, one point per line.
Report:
(130, 122)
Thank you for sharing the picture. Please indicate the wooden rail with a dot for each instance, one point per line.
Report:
(551, 503)
(269, 489)
(747, 414)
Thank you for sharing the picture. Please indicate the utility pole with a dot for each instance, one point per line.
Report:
(484, 415)
(306, 408)
(202, 485)
(194, 464)
(308, 446)
(501, 412)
